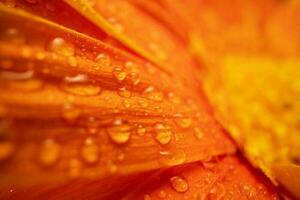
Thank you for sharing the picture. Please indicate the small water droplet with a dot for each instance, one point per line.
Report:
(116, 24)
(141, 130)
(119, 74)
(72, 61)
(179, 184)
(6, 149)
(153, 95)
(14, 36)
(60, 46)
(120, 156)
(30, 85)
(183, 122)
(159, 53)
(163, 133)
(120, 132)
(134, 78)
(49, 152)
(81, 89)
(103, 59)
(126, 103)
(112, 167)
(142, 103)
(147, 197)
(173, 98)
(123, 92)
(217, 192)
(198, 133)
(74, 168)
(162, 194)
(172, 158)
(90, 151)
(70, 113)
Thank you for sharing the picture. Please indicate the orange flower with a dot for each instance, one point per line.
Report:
(105, 100)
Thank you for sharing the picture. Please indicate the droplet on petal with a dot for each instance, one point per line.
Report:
(163, 133)
(70, 113)
(172, 158)
(179, 184)
(49, 152)
(183, 122)
(119, 74)
(153, 95)
(103, 59)
(60, 46)
(198, 133)
(141, 130)
(6, 149)
(123, 92)
(74, 168)
(90, 151)
(120, 132)
(13, 35)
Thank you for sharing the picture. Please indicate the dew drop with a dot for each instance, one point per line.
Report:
(162, 194)
(173, 98)
(172, 158)
(49, 152)
(74, 168)
(40, 55)
(123, 92)
(163, 133)
(120, 156)
(120, 132)
(142, 103)
(126, 103)
(6, 150)
(90, 151)
(179, 184)
(184, 122)
(70, 113)
(14, 36)
(119, 74)
(134, 78)
(103, 59)
(111, 167)
(72, 61)
(153, 95)
(198, 133)
(141, 130)
(147, 197)
(60, 46)
(80, 78)
(217, 192)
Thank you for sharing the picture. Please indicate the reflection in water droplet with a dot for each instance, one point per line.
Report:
(172, 158)
(90, 151)
(179, 184)
(103, 59)
(60, 46)
(163, 133)
(49, 152)
(6, 149)
(183, 122)
(120, 132)
(119, 74)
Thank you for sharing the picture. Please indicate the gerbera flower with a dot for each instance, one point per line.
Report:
(139, 99)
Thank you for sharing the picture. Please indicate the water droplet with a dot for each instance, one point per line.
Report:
(162, 194)
(81, 89)
(119, 74)
(103, 59)
(60, 46)
(70, 113)
(134, 78)
(6, 150)
(26, 52)
(217, 192)
(172, 158)
(116, 24)
(10, 75)
(179, 184)
(79, 78)
(123, 92)
(147, 197)
(163, 133)
(120, 132)
(126, 103)
(184, 122)
(40, 55)
(157, 50)
(198, 133)
(143, 103)
(49, 152)
(74, 168)
(111, 167)
(173, 98)
(90, 151)
(153, 95)
(141, 130)
(14, 36)
(72, 61)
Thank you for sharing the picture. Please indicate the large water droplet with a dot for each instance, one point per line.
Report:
(183, 122)
(172, 158)
(119, 74)
(60, 46)
(163, 133)
(103, 59)
(179, 184)
(6, 149)
(90, 151)
(120, 132)
(49, 152)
